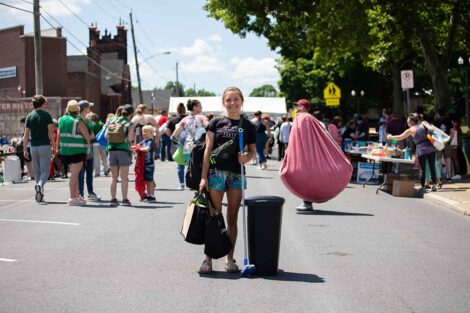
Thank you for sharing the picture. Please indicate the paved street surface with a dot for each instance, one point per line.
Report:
(360, 252)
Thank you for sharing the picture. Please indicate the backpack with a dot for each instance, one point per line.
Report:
(193, 175)
(225, 151)
(116, 132)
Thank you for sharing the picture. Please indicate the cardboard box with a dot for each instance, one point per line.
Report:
(390, 178)
(403, 188)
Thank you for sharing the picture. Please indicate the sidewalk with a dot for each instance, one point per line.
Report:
(455, 196)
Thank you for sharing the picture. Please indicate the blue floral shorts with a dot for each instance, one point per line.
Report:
(223, 180)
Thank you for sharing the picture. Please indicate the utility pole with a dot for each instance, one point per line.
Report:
(177, 84)
(141, 97)
(37, 49)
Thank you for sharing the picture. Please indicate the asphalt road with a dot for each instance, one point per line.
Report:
(360, 252)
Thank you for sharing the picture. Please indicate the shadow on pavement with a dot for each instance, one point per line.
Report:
(290, 276)
(151, 207)
(260, 177)
(281, 276)
(169, 189)
(166, 202)
(453, 189)
(320, 212)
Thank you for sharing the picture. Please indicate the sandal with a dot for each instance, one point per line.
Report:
(231, 267)
(206, 268)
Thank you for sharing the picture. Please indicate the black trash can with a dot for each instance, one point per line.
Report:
(264, 232)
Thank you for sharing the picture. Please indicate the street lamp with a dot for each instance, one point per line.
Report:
(154, 55)
(460, 61)
(362, 93)
(137, 63)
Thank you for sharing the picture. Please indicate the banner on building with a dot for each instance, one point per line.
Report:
(7, 72)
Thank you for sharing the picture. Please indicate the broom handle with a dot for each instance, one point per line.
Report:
(245, 235)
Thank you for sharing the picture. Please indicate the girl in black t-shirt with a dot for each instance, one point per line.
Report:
(226, 178)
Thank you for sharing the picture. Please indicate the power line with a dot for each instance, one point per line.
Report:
(68, 31)
(119, 11)
(16, 8)
(28, 2)
(124, 5)
(93, 61)
(145, 32)
(104, 10)
(76, 15)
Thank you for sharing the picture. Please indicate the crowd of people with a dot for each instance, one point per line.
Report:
(72, 147)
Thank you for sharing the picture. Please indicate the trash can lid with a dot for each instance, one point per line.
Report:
(264, 199)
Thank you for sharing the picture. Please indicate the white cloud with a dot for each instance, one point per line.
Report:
(215, 38)
(200, 47)
(255, 71)
(203, 64)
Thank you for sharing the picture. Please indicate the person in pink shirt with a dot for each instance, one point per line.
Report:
(333, 129)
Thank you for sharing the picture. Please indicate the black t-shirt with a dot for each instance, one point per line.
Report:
(226, 129)
(171, 125)
(363, 129)
(347, 133)
(444, 124)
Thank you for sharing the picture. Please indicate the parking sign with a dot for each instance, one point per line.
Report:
(407, 81)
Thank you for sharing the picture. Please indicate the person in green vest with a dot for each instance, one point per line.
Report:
(74, 143)
(40, 127)
(120, 154)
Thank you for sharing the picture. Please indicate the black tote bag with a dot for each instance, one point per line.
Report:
(217, 241)
(195, 219)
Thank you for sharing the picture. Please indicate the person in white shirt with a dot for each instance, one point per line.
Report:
(284, 133)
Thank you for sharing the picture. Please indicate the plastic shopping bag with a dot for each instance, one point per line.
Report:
(101, 138)
(314, 168)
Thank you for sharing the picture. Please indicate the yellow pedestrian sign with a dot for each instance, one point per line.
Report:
(332, 94)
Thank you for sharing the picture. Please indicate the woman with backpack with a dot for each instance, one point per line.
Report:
(225, 178)
(119, 133)
(190, 125)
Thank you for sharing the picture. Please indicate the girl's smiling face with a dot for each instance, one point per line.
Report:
(232, 101)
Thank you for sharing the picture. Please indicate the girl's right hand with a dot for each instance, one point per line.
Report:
(203, 185)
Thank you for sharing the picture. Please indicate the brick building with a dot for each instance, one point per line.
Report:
(17, 77)
(103, 76)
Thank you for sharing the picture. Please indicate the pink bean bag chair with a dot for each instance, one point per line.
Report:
(314, 167)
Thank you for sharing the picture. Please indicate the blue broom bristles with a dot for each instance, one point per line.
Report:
(247, 269)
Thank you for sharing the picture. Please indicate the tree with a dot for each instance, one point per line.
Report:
(172, 86)
(264, 91)
(384, 34)
(200, 93)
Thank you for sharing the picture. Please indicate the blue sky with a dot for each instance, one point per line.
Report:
(209, 56)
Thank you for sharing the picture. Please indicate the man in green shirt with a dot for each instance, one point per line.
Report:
(40, 127)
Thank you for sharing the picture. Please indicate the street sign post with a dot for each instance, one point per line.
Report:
(332, 95)
(407, 83)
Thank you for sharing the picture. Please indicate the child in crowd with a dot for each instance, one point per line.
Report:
(145, 160)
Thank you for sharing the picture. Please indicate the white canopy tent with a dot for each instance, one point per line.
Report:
(270, 105)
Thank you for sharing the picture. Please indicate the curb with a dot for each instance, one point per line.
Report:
(448, 203)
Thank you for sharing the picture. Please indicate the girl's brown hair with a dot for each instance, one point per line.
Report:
(237, 90)
(140, 109)
(119, 111)
(181, 109)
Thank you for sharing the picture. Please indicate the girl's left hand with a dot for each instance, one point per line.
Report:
(243, 158)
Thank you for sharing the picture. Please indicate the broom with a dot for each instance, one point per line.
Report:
(247, 269)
